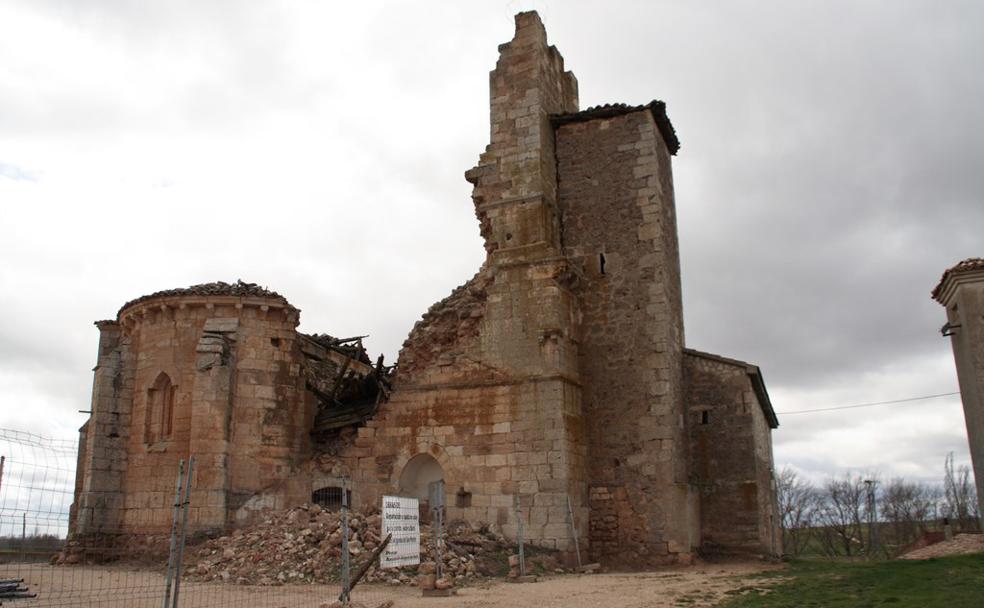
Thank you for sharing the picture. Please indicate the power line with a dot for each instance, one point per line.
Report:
(850, 407)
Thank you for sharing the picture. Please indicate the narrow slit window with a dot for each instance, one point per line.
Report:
(159, 420)
(704, 417)
(601, 263)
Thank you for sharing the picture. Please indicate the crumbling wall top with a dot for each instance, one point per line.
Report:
(239, 289)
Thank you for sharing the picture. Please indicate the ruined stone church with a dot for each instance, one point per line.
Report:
(558, 372)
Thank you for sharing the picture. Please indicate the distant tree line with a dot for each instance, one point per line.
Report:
(35, 541)
(858, 514)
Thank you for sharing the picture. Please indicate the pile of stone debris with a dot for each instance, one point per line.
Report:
(303, 545)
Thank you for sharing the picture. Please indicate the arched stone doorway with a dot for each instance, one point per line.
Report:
(416, 477)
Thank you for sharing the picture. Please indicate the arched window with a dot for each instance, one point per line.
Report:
(160, 410)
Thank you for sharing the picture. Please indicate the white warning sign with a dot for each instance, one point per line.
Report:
(401, 518)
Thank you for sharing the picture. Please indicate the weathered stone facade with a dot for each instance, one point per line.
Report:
(961, 292)
(558, 371)
(556, 376)
(619, 228)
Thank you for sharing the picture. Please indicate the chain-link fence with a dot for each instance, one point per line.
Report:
(309, 556)
(54, 552)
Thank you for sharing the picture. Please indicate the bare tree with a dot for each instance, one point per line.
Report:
(975, 505)
(843, 514)
(907, 508)
(959, 496)
(798, 501)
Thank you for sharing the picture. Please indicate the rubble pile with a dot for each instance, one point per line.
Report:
(303, 545)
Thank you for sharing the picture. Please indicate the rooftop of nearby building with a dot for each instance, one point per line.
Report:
(658, 108)
(754, 373)
(967, 265)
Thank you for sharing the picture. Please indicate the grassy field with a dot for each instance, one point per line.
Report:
(949, 582)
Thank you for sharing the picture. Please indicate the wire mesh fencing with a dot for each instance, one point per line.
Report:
(54, 552)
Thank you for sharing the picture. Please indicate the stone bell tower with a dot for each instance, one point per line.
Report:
(961, 292)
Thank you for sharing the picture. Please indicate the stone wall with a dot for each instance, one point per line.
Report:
(619, 225)
(731, 452)
(103, 455)
(493, 443)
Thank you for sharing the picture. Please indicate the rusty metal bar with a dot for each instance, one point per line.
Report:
(184, 530)
(174, 536)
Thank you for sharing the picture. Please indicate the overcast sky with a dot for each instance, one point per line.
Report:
(832, 166)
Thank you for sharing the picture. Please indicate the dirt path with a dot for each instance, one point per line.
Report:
(695, 586)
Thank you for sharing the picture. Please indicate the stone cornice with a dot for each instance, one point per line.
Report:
(951, 282)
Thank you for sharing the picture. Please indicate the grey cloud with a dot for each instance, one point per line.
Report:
(238, 53)
(829, 171)
(831, 212)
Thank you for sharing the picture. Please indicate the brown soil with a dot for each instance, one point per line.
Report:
(696, 586)
(960, 545)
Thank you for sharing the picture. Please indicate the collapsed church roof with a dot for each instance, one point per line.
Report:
(347, 387)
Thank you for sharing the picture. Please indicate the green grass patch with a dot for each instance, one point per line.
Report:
(947, 582)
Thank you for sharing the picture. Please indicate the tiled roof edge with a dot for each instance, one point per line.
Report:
(964, 266)
(658, 109)
(754, 372)
(218, 288)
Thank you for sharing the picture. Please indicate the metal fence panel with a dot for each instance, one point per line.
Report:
(120, 568)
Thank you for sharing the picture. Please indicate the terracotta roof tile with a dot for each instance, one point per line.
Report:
(218, 288)
(658, 108)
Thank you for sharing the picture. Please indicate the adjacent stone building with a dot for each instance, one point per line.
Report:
(557, 375)
(961, 293)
